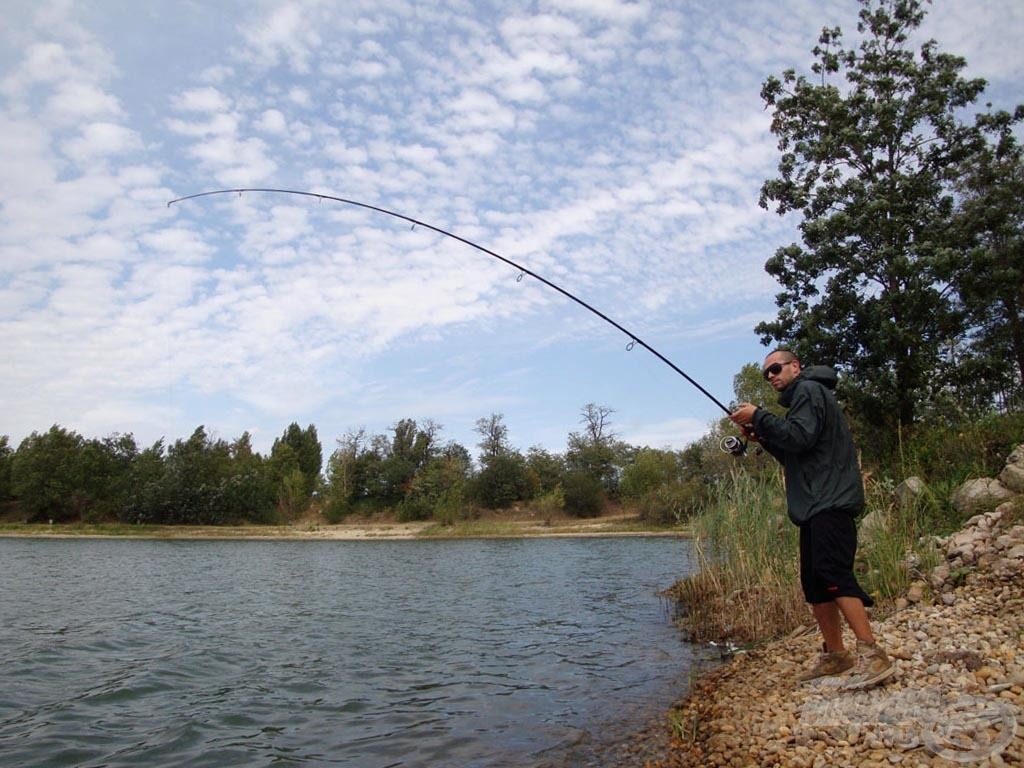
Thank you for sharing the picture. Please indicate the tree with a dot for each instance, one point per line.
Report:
(438, 489)
(750, 386)
(306, 455)
(494, 437)
(106, 468)
(650, 470)
(869, 164)
(986, 266)
(546, 469)
(6, 460)
(594, 451)
(502, 480)
(47, 475)
(346, 481)
(199, 481)
(247, 491)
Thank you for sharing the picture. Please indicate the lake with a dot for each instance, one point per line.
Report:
(469, 653)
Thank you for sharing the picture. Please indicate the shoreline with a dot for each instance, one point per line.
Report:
(362, 531)
(956, 640)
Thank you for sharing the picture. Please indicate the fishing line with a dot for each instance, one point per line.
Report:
(633, 338)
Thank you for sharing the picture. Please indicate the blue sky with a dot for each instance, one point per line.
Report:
(616, 148)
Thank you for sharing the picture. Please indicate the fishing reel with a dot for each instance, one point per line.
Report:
(733, 445)
(736, 446)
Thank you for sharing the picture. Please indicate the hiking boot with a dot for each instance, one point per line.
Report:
(830, 664)
(873, 666)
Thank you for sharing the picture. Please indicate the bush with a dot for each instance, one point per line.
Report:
(956, 452)
(502, 481)
(674, 503)
(584, 494)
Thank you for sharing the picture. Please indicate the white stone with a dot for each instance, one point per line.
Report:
(1012, 475)
(910, 490)
(979, 493)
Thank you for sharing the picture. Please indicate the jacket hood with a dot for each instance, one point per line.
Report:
(821, 374)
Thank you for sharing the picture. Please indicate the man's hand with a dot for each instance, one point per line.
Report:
(744, 414)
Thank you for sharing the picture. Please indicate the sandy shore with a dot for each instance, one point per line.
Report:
(240, 532)
(619, 525)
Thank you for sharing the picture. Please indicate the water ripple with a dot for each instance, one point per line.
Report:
(370, 654)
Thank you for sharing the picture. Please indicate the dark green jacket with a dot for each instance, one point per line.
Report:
(814, 444)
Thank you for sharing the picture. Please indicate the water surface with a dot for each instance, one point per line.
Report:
(390, 653)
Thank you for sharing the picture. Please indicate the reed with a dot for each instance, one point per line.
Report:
(746, 586)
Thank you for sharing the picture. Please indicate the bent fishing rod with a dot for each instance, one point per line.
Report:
(633, 338)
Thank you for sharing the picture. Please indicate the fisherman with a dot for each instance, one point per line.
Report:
(824, 495)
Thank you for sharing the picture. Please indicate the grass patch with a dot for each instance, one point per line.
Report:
(747, 587)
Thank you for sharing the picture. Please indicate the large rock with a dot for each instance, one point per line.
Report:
(873, 524)
(1012, 475)
(980, 494)
(909, 491)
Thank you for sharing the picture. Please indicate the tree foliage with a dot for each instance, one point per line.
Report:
(594, 451)
(988, 227)
(871, 148)
(48, 474)
(200, 481)
(6, 462)
(297, 450)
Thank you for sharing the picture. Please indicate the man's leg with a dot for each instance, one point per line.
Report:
(827, 616)
(856, 616)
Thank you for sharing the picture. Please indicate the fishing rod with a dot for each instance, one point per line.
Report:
(633, 338)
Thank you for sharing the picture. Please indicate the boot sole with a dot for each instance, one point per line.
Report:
(855, 684)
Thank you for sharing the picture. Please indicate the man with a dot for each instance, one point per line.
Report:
(824, 494)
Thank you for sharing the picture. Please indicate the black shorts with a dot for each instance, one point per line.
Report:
(828, 545)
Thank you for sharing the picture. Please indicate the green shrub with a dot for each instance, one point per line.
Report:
(673, 503)
(584, 494)
(956, 452)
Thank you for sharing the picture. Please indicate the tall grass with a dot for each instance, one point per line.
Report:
(894, 541)
(747, 587)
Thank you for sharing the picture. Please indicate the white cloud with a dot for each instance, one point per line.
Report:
(183, 245)
(207, 99)
(272, 121)
(608, 10)
(289, 33)
(101, 140)
(614, 147)
(476, 110)
(76, 101)
(217, 125)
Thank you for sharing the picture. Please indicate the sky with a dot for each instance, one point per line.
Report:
(615, 148)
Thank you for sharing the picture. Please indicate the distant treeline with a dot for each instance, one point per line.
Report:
(411, 473)
(61, 476)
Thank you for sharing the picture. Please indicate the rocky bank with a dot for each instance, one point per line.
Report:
(957, 698)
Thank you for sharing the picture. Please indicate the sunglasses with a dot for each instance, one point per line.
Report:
(774, 369)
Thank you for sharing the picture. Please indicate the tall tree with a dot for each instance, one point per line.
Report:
(870, 149)
(305, 454)
(6, 460)
(48, 477)
(594, 451)
(493, 437)
(986, 261)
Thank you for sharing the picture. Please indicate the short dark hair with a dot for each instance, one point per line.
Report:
(790, 354)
